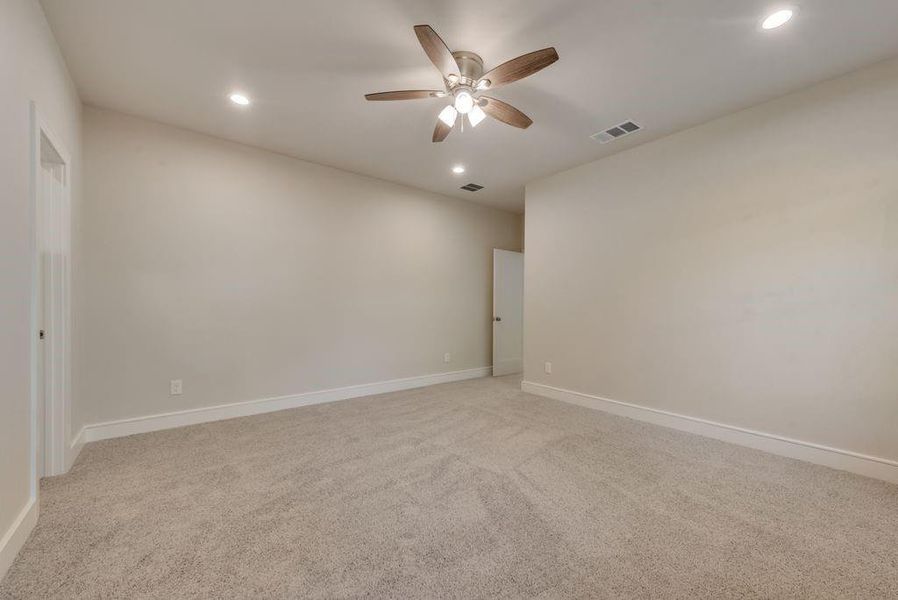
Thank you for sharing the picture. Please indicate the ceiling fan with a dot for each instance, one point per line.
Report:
(464, 80)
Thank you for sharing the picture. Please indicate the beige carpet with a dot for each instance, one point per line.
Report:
(465, 490)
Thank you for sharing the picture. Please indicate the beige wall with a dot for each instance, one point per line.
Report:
(744, 271)
(250, 275)
(31, 69)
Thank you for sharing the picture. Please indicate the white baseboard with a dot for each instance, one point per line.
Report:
(123, 427)
(14, 538)
(845, 460)
(75, 449)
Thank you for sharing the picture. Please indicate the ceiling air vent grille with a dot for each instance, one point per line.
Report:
(616, 132)
(472, 187)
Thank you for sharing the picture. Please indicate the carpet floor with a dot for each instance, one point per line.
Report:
(465, 490)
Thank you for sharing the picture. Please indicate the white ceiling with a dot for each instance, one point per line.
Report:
(307, 64)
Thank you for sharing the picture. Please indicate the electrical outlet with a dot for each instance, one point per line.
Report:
(549, 368)
(175, 387)
(447, 358)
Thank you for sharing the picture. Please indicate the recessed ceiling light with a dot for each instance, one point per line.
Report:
(239, 99)
(778, 19)
(458, 169)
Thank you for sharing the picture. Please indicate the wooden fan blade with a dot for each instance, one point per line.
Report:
(502, 111)
(520, 67)
(437, 51)
(441, 131)
(405, 95)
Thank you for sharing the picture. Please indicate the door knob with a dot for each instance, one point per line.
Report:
(498, 318)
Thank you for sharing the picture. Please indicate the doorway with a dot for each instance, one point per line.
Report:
(51, 304)
(508, 312)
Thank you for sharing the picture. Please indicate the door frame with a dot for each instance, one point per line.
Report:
(54, 455)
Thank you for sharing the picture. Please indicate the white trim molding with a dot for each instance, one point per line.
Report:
(75, 449)
(14, 538)
(845, 460)
(123, 427)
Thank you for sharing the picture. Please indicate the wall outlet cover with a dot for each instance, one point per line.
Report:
(176, 387)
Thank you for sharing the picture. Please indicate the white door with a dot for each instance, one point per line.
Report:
(51, 306)
(41, 319)
(508, 312)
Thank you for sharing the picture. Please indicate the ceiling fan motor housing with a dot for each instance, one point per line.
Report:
(470, 66)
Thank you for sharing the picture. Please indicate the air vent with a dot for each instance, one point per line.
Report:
(472, 187)
(616, 132)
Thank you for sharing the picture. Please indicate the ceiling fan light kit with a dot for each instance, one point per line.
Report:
(464, 80)
(448, 115)
(476, 115)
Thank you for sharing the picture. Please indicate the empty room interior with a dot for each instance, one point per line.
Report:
(420, 299)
